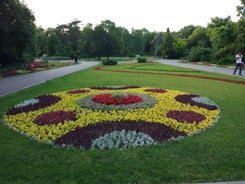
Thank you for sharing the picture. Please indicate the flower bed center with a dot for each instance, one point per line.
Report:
(117, 99)
(112, 117)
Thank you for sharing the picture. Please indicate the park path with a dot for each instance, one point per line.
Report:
(16, 83)
(226, 71)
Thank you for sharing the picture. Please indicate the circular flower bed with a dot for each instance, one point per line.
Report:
(112, 117)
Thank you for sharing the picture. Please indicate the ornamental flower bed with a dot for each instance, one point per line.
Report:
(112, 117)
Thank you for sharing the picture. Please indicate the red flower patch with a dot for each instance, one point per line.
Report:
(77, 91)
(186, 116)
(156, 90)
(114, 88)
(108, 99)
(55, 117)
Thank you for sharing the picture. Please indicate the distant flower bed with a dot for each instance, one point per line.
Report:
(112, 117)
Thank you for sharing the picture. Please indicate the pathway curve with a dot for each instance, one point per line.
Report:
(226, 71)
(16, 83)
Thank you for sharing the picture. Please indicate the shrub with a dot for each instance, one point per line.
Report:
(226, 60)
(109, 62)
(199, 54)
(141, 60)
(58, 58)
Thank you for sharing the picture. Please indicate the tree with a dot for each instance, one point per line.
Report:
(125, 43)
(240, 40)
(241, 9)
(222, 33)
(17, 30)
(74, 36)
(168, 45)
(138, 42)
(198, 38)
(185, 32)
(51, 42)
(40, 41)
(102, 42)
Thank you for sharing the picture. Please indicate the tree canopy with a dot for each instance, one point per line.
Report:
(17, 30)
(20, 40)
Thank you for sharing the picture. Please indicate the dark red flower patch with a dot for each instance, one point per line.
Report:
(83, 136)
(108, 99)
(187, 99)
(9, 73)
(44, 101)
(55, 117)
(77, 91)
(156, 90)
(114, 88)
(186, 116)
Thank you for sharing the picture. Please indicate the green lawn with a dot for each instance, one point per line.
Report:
(218, 154)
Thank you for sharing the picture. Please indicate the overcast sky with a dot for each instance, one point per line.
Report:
(154, 15)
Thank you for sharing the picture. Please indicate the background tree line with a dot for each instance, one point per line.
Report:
(21, 40)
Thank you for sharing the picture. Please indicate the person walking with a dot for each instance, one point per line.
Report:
(76, 58)
(239, 63)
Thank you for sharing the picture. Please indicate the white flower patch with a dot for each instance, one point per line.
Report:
(122, 139)
(203, 100)
(27, 102)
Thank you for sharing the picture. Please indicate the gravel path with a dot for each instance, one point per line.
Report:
(16, 83)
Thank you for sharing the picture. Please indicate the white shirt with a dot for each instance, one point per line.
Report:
(238, 58)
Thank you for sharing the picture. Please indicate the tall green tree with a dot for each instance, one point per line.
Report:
(17, 30)
(222, 33)
(138, 41)
(168, 45)
(74, 36)
(240, 40)
(51, 42)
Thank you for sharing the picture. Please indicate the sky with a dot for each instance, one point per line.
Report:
(154, 15)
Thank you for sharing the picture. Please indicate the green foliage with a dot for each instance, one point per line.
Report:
(241, 9)
(141, 60)
(17, 32)
(168, 45)
(222, 33)
(226, 60)
(109, 62)
(199, 54)
(58, 58)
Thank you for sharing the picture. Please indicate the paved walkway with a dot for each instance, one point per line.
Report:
(226, 71)
(16, 83)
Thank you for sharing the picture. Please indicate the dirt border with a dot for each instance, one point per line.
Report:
(171, 74)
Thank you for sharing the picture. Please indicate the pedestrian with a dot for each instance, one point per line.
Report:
(239, 63)
(75, 57)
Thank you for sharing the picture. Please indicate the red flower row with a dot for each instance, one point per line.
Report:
(108, 99)
(77, 91)
(114, 88)
(55, 117)
(156, 90)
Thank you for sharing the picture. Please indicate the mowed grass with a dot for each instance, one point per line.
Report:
(217, 154)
